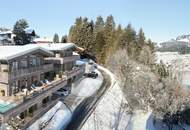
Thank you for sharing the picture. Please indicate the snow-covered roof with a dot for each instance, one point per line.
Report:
(54, 46)
(11, 52)
(5, 32)
(42, 40)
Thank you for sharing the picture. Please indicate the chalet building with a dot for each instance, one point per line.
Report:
(30, 74)
(20, 67)
(6, 38)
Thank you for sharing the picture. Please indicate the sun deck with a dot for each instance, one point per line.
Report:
(6, 103)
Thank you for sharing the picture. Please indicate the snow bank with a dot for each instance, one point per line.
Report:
(59, 114)
(108, 111)
(141, 121)
(60, 120)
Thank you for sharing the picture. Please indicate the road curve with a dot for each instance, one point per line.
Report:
(87, 106)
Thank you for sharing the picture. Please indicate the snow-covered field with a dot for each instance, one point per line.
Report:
(179, 64)
(182, 62)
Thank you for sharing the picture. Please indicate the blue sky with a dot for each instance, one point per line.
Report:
(160, 19)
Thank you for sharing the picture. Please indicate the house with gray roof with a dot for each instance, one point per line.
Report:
(30, 74)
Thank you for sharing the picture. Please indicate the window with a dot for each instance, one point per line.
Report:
(15, 65)
(33, 61)
(23, 63)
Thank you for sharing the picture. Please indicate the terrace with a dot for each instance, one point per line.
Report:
(38, 92)
(6, 103)
(28, 71)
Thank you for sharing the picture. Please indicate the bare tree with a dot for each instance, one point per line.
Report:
(146, 56)
(144, 89)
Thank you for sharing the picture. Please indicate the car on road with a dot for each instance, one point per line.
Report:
(92, 74)
(62, 92)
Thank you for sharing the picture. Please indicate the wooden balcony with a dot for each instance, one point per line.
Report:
(29, 71)
(62, 60)
(35, 97)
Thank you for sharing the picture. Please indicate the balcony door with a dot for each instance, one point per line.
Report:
(15, 65)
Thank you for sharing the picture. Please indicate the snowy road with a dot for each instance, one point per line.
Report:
(87, 106)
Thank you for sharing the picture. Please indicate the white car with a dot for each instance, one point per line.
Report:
(62, 92)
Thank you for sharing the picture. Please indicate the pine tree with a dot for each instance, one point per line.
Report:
(109, 31)
(21, 37)
(131, 34)
(56, 38)
(151, 45)
(99, 24)
(75, 31)
(64, 39)
(98, 36)
(141, 38)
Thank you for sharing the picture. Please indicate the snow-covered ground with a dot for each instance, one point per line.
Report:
(109, 114)
(112, 112)
(182, 62)
(166, 57)
(87, 86)
(179, 64)
(59, 116)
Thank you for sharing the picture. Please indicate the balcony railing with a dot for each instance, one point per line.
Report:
(24, 72)
(73, 72)
(35, 97)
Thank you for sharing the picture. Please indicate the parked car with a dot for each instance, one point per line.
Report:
(62, 92)
(91, 75)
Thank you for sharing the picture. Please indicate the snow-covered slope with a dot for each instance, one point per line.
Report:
(183, 38)
(109, 109)
(57, 120)
(112, 112)
(180, 41)
(178, 64)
